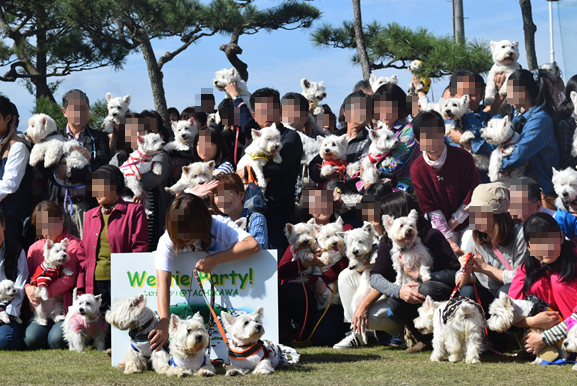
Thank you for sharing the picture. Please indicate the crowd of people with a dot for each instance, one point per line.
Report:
(522, 244)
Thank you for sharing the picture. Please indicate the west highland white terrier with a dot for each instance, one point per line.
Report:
(383, 142)
(225, 77)
(310, 146)
(194, 174)
(570, 343)
(424, 83)
(302, 238)
(140, 162)
(188, 342)
(500, 132)
(332, 150)
(133, 315)
(49, 146)
(117, 109)
(84, 322)
(458, 328)
(7, 294)
(407, 247)
(331, 241)
(184, 132)
(315, 92)
(247, 352)
(506, 311)
(54, 265)
(505, 55)
(573, 97)
(266, 146)
(565, 185)
(376, 83)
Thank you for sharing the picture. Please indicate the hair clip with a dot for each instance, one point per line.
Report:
(536, 76)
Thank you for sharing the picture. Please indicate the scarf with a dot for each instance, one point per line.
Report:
(439, 162)
(263, 156)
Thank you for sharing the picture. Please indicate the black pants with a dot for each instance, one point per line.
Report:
(292, 310)
(102, 288)
(276, 224)
(407, 312)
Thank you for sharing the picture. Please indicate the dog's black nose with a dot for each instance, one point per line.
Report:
(306, 242)
(276, 147)
(566, 344)
(327, 151)
(335, 244)
(409, 231)
(565, 194)
(258, 328)
(113, 114)
(355, 252)
(199, 338)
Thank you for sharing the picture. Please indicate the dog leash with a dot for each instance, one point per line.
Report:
(67, 197)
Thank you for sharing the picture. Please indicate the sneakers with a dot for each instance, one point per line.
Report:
(351, 340)
(420, 346)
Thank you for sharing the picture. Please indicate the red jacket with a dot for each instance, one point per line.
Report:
(127, 232)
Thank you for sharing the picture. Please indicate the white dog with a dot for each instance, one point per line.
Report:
(225, 77)
(500, 132)
(184, 132)
(7, 294)
(265, 146)
(573, 97)
(84, 322)
(49, 146)
(315, 92)
(376, 83)
(117, 109)
(505, 55)
(506, 311)
(263, 356)
(133, 315)
(188, 342)
(407, 247)
(570, 343)
(331, 240)
(565, 185)
(194, 174)
(140, 162)
(55, 259)
(383, 142)
(332, 150)
(302, 238)
(457, 327)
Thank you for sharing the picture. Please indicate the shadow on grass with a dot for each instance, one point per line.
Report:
(337, 357)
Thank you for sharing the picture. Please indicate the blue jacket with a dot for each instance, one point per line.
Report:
(538, 145)
(567, 222)
(475, 122)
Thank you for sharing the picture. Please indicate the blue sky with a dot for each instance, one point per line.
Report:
(281, 59)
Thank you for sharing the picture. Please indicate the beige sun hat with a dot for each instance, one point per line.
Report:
(495, 195)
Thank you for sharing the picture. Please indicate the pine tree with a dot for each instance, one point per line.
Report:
(38, 43)
(395, 46)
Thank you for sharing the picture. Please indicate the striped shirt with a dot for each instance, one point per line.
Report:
(557, 333)
(226, 167)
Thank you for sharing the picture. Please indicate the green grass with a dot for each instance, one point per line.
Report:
(372, 366)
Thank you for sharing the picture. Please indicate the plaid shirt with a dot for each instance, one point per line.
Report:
(257, 227)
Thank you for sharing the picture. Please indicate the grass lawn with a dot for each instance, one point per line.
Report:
(372, 366)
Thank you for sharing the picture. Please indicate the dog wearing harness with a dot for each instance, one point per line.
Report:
(383, 142)
(133, 315)
(7, 294)
(500, 132)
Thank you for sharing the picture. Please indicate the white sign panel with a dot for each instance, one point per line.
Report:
(240, 287)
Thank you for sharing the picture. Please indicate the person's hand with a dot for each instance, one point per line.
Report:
(30, 292)
(466, 266)
(360, 321)
(545, 320)
(500, 79)
(232, 90)
(204, 190)
(412, 273)
(410, 295)
(60, 171)
(206, 264)
(456, 249)
(140, 199)
(479, 264)
(455, 136)
(452, 224)
(82, 151)
(159, 336)
(240, 173)
(534, 342)
(314, 262)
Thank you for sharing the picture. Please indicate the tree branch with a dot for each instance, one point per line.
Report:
(232, 50)
(168, 56)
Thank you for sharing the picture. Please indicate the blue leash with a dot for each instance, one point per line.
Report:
(67, 197)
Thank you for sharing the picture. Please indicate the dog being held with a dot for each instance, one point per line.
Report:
(506, 311)
(424, 84)
(570, 343)
(315, 92)
(247, 352)
(408, 248)
(50, 147)
(565, 186)
(184, 132)
(383, 142)
(332, 150)
(7, 293)
(85, 323)
(133, 315)
(54, 265)
(265, 147)
(194, 174)
(188, 342)
(500, 132)
(458, 327)
(140, 162)
(117, 109)
(505, 55)
(302, 238)
(227, 76)
(376, 83)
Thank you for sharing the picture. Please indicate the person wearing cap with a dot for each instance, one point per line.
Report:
(114, 226)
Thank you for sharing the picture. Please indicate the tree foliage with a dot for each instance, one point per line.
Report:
(395, 46)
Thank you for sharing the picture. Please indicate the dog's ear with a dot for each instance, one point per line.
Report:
(140, 139)
(65, 242)
(227, 320)
(555, 171)
(340, 221)
(507, 301)
(317, 228)
(255, 133)
(259, 312)
(368, 227)
(74, 294)
(320, 140)
(174, 125)
(139, 300)
(174, 320)
(414, 215)
(305, 84)
(233, 71)
(395, 79)
(198, 317)
(241, 223)
(127, 99)
(98, 299)
(573, 95)
(211, 164)
(388, 221)
(516, 44)
(288, 229)
(465, 100)
(505, 121)
(185, 169)
(344, 139)
(493, 44)
(312, 221)
(373, 134)
(191, 120)
(429, 302)
(108, 96)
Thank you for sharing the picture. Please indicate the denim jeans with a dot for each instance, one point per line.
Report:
(39, 337)
(11, 336)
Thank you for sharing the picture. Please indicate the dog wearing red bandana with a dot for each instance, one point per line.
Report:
(500, 132)
(333, 151)
(383, 142)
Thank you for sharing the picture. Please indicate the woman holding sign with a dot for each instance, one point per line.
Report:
(190, 227)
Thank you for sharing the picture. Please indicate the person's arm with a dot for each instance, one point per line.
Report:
(159, 336)
(446, 276)
(385, 287)
(360, 320)
(14, 170)
(291, 152)
(247, 122)
(315, 170)
(139, 235)
(245, 248)
(402, 156)
(536, 134)
(438, 221)
(258, 229)
(150, 180)
(13, 308)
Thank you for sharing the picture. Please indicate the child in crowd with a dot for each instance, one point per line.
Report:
(209, 145)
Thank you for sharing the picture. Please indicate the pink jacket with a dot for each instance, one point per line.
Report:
(63, 284)
(548, 288)
(127, 232)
